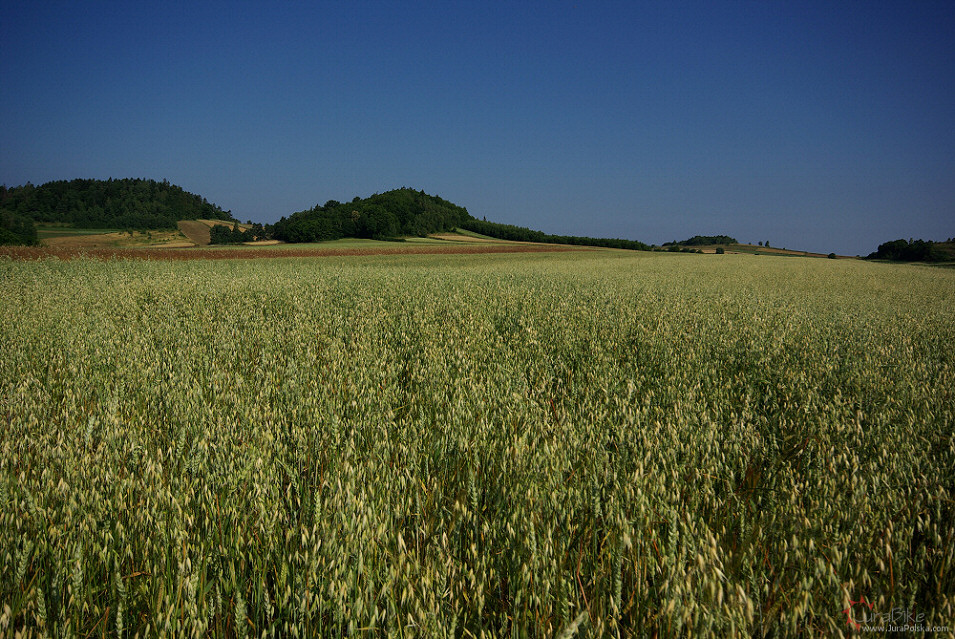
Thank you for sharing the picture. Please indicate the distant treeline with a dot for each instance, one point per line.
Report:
(704, 240)
(522, 234)
(401, 212)
(108, 204)
(914, 251)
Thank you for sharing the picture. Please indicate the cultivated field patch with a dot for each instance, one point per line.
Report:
(591, 443)
(196, 231)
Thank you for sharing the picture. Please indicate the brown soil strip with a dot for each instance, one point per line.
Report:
(251, 253)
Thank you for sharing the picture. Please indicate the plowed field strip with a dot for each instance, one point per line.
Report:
(39, 253)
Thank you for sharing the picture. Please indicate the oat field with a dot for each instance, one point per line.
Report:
(543, 445)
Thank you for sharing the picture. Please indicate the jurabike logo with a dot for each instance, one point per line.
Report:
(861, 616)
(851, 614)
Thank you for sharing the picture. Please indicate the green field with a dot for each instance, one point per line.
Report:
(478, 236)
(47, 231)
(600, 443)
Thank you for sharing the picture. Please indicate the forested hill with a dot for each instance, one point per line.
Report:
(705, 240)
(915, 251)
(113, 204)
(406, 212)
(382, 216)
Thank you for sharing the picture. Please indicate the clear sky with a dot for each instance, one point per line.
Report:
(825, 126)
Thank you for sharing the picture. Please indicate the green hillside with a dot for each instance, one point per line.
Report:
(100, 204)
(397, 213)
(139, 204)
(406, 212)
(705, 240)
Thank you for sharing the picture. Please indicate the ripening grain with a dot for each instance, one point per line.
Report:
(595, 443)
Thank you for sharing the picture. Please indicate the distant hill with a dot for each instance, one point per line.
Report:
(390, 215)
(705, 240)
(104, 204)
(406, 212)
(141, 205)
(915, 251)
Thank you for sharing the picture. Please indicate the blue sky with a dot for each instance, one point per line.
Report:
(826, 126)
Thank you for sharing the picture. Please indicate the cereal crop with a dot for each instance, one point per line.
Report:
(544, 445)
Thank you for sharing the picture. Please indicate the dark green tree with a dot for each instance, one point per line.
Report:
(911, 251)
(15, 229)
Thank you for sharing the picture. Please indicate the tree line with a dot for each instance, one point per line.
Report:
(16, 229)
(523, 234)
(913, 251)
(706, 240)
(131, 203)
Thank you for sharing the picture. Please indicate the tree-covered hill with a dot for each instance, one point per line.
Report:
(915, 251)
(139, 204)
(123, 204)
(393, 214)
(406, 212)
(705, 240)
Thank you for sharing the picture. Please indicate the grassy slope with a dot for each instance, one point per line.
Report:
(753, 249)
(48, 231)
(198, 230)
(190, 232)
(478, 236)
(117, 239)
(358, 243)
(344, 243)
